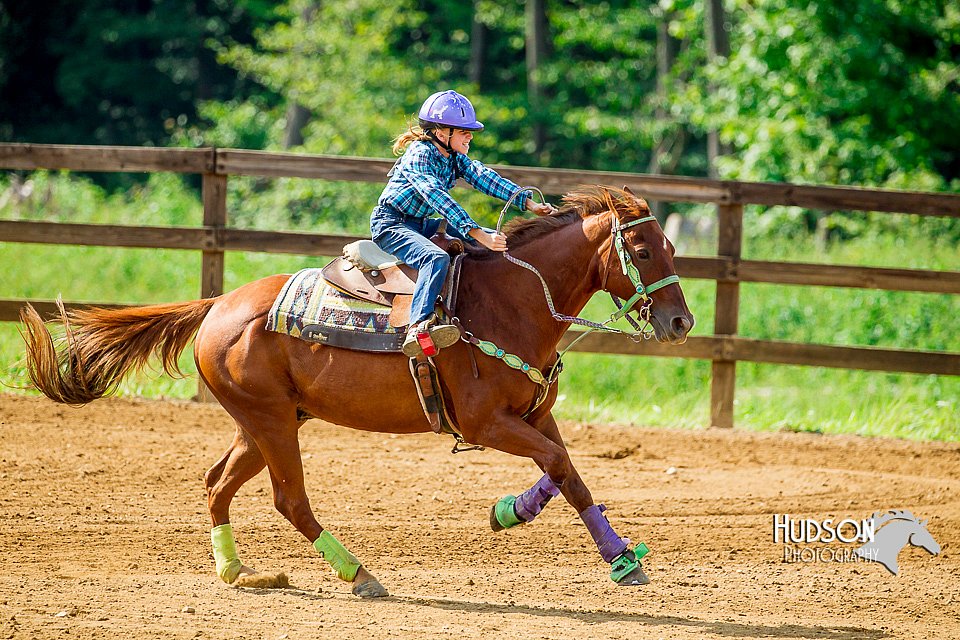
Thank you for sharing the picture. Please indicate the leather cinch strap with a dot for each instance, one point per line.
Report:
(427, 381)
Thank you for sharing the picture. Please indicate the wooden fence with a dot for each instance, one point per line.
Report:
(725, 348)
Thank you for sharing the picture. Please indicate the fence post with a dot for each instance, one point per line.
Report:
(215, 216)
(211, 269)
(724, 369)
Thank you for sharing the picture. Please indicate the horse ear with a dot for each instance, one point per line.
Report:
(627, 189)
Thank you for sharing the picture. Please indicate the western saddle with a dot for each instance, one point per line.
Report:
(369, 273)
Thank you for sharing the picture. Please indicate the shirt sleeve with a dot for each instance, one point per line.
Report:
(488, 181)
(422, 177)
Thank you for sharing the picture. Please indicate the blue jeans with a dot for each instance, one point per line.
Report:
(409, 240)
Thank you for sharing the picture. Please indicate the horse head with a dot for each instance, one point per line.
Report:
(643, 246)
(625, 254)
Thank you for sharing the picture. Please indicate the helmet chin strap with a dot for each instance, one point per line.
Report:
(432, 133)
(446, 147)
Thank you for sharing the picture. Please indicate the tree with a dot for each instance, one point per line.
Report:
(718, 48)
(858, 92)
(297, 115)
(112, 72)
(333, 61)
(536, 54)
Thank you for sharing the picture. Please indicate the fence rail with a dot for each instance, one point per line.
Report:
(724, 349)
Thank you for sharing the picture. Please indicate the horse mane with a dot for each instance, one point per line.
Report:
(588, 200)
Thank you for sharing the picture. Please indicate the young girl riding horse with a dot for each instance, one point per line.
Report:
(402, 222)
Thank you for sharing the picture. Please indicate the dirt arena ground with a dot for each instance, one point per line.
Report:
(104, 534)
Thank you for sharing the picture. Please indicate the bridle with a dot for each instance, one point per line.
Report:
(642, 331)
(629, 269)
(633, 274)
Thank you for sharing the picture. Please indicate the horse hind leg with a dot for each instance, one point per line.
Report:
(239, 463)
(277, 441)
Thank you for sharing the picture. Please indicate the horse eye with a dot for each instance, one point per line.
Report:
(643, 254)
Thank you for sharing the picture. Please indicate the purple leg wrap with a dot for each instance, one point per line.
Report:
(531, 502)
(608, 542)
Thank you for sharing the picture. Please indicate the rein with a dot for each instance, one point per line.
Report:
(641, 331)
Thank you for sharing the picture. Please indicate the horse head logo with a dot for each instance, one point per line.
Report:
(898, 529)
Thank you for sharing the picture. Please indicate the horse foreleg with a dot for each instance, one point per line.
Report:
(513, 510)
(574, 490)
(510, 511)
(625, 566)
(624, 561)
(241, 462)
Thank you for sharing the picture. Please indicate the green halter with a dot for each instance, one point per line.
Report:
(630, 270)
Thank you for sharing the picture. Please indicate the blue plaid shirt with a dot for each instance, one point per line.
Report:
(420, 180)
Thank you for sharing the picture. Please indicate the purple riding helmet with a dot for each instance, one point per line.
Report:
(449, 109)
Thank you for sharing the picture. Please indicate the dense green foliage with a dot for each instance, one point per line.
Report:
(109, 72)
(860, 92)
(857, 92)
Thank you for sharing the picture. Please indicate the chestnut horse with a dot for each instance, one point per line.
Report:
(271, 383)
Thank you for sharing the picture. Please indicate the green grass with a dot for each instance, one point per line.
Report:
(644, 391)
(675, 393)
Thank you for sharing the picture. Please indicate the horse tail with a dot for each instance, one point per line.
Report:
(99, 346)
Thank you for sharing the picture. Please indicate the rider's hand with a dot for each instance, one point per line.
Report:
(540, 208)
(492, 241)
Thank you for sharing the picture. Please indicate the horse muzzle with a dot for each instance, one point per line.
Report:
(672, 327)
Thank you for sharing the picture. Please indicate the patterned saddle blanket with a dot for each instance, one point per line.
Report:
(309, 308)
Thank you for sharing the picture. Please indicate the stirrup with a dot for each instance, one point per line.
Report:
(444, 335)
(411, 344)
(429, 339)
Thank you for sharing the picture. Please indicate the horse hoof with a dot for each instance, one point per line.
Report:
(370, 589)
(502, 514)
(494, 523)
(634, 578)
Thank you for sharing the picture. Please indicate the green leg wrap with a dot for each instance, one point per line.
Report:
(506, 516)
(225, 553)
(626, 562)
(343, 562)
